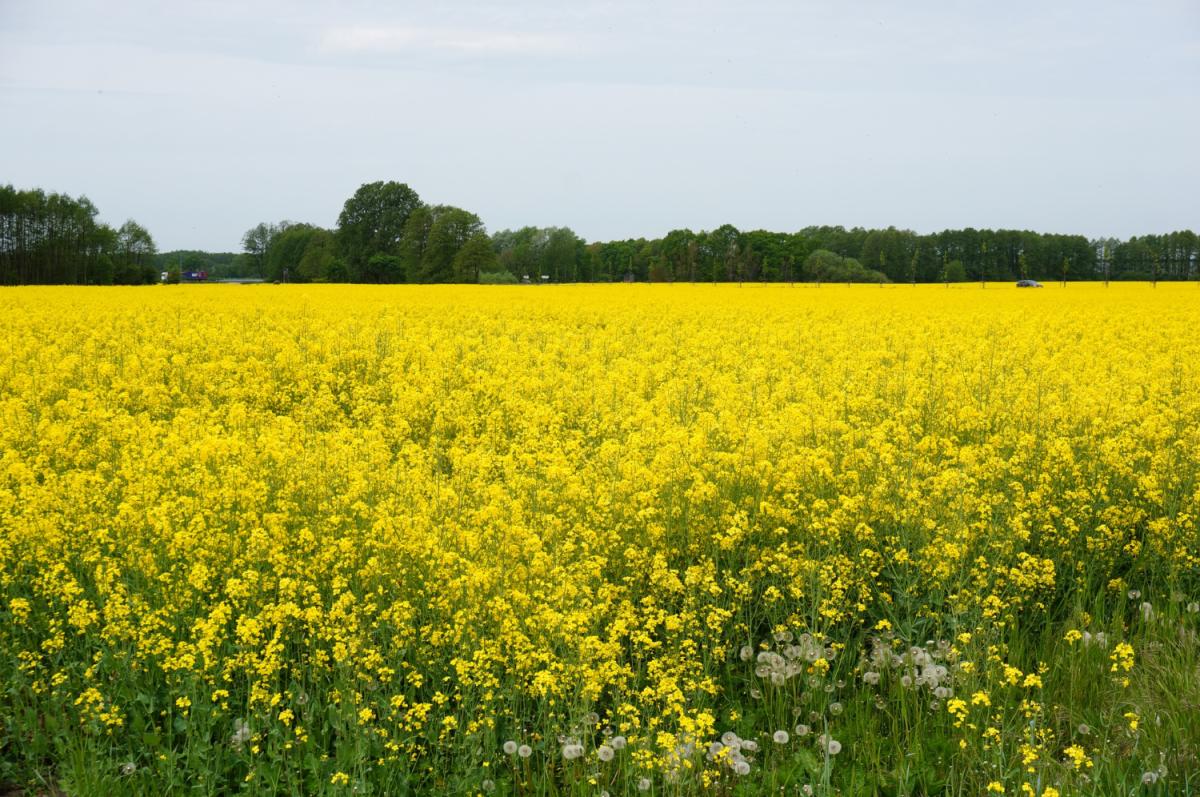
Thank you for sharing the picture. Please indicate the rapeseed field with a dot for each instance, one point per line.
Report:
(624, 539)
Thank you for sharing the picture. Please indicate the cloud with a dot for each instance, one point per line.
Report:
(462, 41)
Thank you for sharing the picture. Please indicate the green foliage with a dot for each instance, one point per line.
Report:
(450, 231)
(475, 258)
(825, 266)
(497, 278)
(320, 262)
(54, 238)
(444, 244)
(383, 268)
(556, 252)
(302, 253)
(255, 243)
(285, 252)
(372, 223)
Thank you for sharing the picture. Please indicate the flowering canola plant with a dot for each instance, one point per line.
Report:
(634, 538)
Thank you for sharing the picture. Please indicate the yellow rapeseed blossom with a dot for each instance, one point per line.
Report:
(402, 523)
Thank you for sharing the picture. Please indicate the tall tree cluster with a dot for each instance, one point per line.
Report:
(385, 233)
(56, 239)
(727, 254)
(556, 253)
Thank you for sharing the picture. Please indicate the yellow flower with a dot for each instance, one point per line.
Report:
(507, 508)
(1078, 758)
(1122, 657)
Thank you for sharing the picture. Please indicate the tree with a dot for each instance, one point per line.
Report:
(431, 243)
(474, 258)
(301, 252)
(135, 250)
(721, 248)
(372, 223)
(413, 240)
(451, 229)
(825, 266)
(320, 262)
(255, 243)
(821, 265)
(383, 268)
(55, 239)
(561, 254)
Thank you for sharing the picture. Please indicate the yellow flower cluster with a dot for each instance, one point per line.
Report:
(422, 516)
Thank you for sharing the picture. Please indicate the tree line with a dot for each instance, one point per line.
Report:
(385, 233)
(56, 239)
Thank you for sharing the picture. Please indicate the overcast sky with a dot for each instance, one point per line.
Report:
(617, 119)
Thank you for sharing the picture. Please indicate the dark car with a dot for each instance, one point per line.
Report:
(1028, 284)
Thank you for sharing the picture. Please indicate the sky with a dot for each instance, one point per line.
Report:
(617, 119)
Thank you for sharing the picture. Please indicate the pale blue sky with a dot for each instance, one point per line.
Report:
(618, 119)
